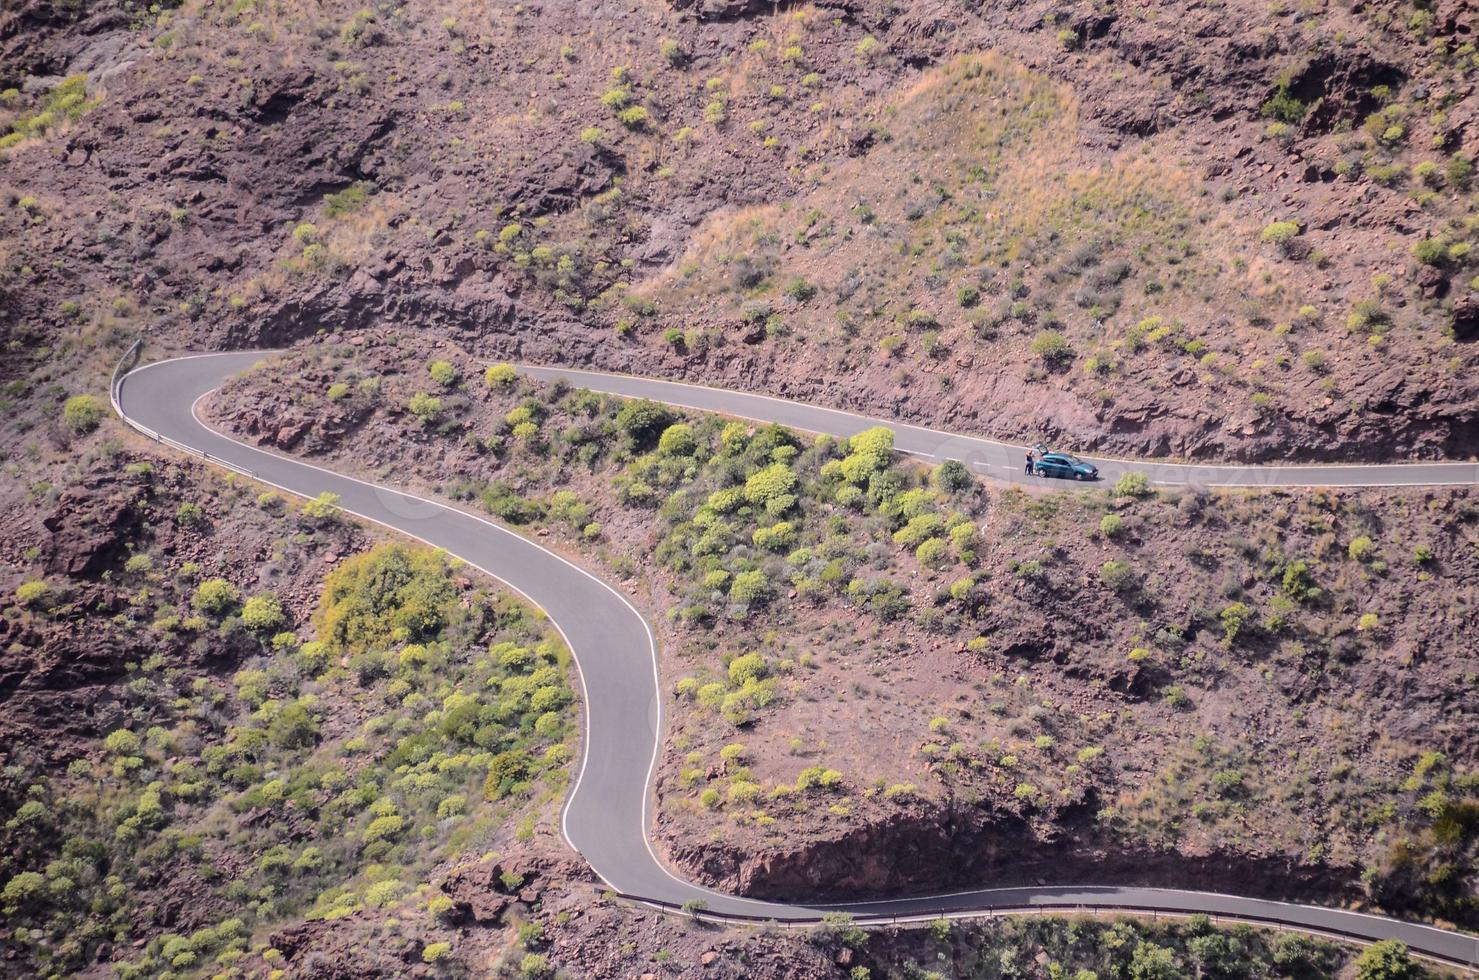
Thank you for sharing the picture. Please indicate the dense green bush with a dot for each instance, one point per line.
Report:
(749, 589)
(677, 440)
(215, 597)
(1132, 485)
(262, 613)
(643, 421)
(500, 376)
(82, 413)
(952, 477)
(35, 594)
(1119, 576)
(426, 408)
(1387, 960)
(393, 593)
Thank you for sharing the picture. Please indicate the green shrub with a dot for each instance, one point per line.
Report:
(1119, 576)
(1111, 526)
(933, 553)
(215, 597)
(635, 117)
(436, 952)
(347, 201)
(778, 537)
(392, 591)
(122, 742)
(1234, 618)
(262, 613)
(387, 827)
(1280, 232)
(82, 413)
(24, 890)
(677, 440)
(34, 594)
(425, 407)
(1132, 485)
(189, 514)
(1387, 960)
(324, 507)
(1361, 548)
(1052, 347)
(918, 530)
(769, 483)
(952, 477)
(643, 421)
(1431, 251)
(534, 967)
(1298, 582)
(1283, 106)
(500, 376)
(749, 588)
(443, 373)
(801, 290)
(338, 391)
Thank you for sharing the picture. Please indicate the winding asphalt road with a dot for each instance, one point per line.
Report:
(1001, 460)
(609, 809)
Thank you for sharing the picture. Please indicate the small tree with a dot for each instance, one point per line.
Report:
(1387, 960)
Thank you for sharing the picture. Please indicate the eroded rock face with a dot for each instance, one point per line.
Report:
(330, 951)
(726, 9)
(484, 892)
(930, 847)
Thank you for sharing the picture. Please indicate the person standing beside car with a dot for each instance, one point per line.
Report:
(1029, 462)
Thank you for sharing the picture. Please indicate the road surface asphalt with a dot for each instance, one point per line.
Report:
(1001, 460)
(609, 809)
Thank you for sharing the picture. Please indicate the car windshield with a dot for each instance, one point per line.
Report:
(1070, 458)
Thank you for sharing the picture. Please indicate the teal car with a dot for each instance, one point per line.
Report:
(1066, 466)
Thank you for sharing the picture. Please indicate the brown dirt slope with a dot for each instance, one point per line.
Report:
(1215, 230)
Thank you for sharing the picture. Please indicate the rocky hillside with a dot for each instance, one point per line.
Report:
(885, 679)
(1217, 230)
(1234, 230)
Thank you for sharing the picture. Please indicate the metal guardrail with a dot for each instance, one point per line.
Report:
(127, 363)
